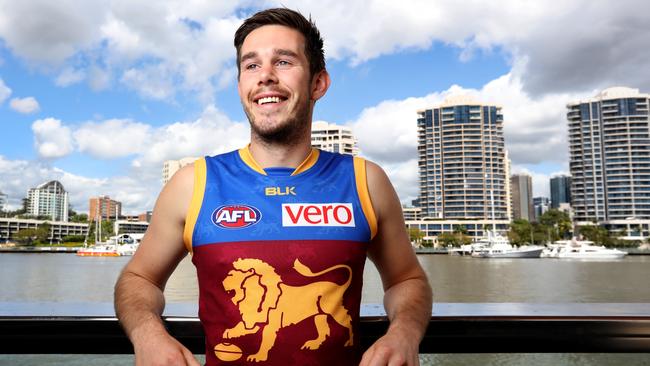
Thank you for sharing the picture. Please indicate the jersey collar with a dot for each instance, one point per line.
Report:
(310, 160)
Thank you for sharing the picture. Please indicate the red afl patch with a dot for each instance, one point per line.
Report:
(236, 216)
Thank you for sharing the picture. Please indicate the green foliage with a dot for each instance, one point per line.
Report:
(553, 225)
(79, 218)
(597, 234)
(521, 232)
(455, 239)
(415, 235)
(559, 221)
(26, 236)
(106, 231)
(73, 239)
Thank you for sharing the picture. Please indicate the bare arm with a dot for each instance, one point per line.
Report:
(407, 297)
(139, 300)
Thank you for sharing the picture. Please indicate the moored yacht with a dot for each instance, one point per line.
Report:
(498, 246)
(581, 249)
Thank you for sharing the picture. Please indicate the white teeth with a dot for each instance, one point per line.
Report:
(268, 100)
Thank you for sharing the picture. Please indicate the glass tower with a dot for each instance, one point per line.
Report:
(560, 190)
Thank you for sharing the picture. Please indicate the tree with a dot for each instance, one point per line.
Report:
(43, 233)
(415, 235)
(559, 222)
(597, 234)
(26, 236)
(79, 218)
(521, 232)
(447, 239)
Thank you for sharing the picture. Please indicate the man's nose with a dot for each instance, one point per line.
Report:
(267, 75)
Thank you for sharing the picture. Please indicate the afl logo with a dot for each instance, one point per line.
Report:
(236, 216)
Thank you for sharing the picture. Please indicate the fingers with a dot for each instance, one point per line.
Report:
(190, 360)
(381, 355)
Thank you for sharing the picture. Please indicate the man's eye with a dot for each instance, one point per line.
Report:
(283, 63)
(251, 66)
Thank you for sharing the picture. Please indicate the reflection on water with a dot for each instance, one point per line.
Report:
(68, 278)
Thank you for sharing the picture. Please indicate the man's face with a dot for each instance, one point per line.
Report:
(275, 84)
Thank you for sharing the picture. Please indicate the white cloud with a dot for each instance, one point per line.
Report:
(69, 76)
(154, 82)
(5, 91)
(162, 48)
(210, 134)
(112, 138)
(135, 193)
(24, 105)
(49, 32)
(98, 78)
(51, 139)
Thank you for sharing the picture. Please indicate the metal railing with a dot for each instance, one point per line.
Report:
(48, 328)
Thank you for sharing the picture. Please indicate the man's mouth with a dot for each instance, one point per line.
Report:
(270, 100)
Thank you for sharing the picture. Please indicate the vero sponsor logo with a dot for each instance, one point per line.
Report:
(317, 214)
(236, 216)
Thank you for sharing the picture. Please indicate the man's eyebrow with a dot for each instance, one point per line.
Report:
(283, 52)
(248, 56)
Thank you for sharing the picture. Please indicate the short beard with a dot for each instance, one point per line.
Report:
(287, 133)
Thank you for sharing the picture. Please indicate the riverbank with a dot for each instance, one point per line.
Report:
(630, 251)
(9, 248)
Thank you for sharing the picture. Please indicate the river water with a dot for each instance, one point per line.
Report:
(68, 278)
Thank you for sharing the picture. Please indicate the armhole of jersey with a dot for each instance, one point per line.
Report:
(200, 172)
(364, 195)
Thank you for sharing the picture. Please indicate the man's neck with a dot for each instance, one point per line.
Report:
(279, 155)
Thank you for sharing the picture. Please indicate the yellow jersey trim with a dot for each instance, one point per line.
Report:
(364, 195)
(247, 157)
(310, 160)
(200, 173)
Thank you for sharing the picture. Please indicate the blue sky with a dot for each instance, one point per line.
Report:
(162, 75)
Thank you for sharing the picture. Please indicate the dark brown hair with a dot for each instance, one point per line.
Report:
(288, 18)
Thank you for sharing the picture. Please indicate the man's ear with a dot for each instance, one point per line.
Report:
(319, 84)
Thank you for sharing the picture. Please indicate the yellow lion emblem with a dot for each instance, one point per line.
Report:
(266, 303)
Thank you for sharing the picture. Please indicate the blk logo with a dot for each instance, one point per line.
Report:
(236, 216)
(280, 191)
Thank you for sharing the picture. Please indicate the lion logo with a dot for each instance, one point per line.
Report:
(267, 304)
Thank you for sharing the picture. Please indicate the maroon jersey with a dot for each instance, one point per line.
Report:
(279, 255)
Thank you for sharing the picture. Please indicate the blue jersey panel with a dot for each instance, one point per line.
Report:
(241, 204)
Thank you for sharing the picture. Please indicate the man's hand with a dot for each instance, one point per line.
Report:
(163, 350)
(395, 348)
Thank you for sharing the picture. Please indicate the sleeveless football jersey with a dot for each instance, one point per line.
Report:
(279, 254)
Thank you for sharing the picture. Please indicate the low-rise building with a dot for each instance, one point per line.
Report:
(9, 226)
(131, 227)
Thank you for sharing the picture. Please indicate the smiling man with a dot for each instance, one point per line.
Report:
(279, 232)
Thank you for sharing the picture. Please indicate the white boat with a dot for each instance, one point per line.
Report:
(127, 244)
(466, 250)
(581, 249)
(497, 246)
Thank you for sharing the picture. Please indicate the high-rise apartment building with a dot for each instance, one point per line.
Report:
(333, 138)
(462, 161)
(609, 144)
(560, 190)
(48, 199)
(522, 197)
(172, 166)
(104, 208)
